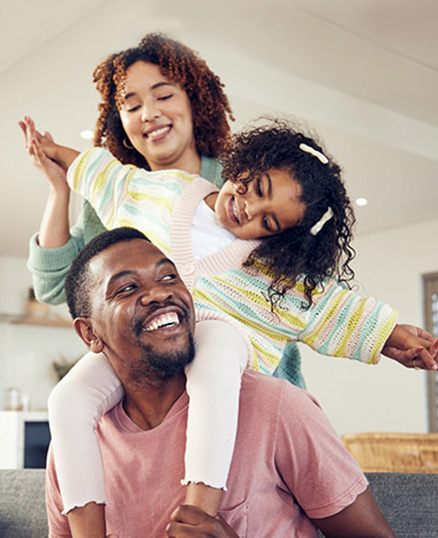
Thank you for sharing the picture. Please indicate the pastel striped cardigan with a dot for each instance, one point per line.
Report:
(161, 205)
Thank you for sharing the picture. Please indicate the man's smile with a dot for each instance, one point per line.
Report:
(162, 320)
(169, 319)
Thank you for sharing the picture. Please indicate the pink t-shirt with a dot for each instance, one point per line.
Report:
(288, 462)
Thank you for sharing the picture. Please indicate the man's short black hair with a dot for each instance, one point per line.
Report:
(79, 280)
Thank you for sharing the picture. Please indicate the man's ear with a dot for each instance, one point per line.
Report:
(85, 330)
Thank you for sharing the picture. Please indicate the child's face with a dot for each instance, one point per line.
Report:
(271, 205)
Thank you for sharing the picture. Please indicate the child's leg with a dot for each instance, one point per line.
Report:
(213, 385)
(76, 404)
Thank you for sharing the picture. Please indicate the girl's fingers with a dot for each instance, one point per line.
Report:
(425, 335)
(428, 360)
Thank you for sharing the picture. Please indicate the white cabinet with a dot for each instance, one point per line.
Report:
(18, 432)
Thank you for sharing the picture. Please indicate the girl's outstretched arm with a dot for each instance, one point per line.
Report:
(213, 386)
(76, 404)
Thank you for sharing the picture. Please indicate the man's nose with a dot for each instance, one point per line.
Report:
(155, 294)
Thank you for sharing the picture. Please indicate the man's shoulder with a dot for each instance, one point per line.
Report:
(269, 390)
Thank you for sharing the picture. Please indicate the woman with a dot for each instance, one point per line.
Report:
(177, 118)
(189, 135)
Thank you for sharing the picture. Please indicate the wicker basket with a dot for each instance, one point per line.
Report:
(394, 452)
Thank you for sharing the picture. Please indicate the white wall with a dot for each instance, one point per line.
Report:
(27, 352)
(386, 397)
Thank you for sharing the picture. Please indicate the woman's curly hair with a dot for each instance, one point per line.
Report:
(295, 253)
(210, 107)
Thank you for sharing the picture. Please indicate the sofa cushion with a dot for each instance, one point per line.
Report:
(408, 501)
(22, 503)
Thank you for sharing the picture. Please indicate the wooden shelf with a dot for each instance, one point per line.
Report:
(42, 322)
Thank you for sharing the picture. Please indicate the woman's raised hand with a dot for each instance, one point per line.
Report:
(41, 150)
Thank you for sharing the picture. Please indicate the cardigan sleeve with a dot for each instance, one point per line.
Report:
(102, 180)
(49, 266)
(343, 324)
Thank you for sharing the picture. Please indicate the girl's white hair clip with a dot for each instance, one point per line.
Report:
(318, 154)
(316, 228)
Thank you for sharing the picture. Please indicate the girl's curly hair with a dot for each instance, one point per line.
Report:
(210, 107)
(296, 253)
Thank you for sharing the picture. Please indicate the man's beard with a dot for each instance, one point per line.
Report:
(159, 366)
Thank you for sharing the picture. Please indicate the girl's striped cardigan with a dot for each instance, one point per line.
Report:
(161, 204)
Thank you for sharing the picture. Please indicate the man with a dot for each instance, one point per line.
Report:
(290, 473)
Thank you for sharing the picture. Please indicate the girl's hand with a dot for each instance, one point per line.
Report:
(38, 147)
(412, 347)
(189, 520)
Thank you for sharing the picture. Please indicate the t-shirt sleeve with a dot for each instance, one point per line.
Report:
(58, 523)
(313, 464)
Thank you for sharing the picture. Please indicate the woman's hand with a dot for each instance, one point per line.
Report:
(412, 347)
(54, 230)
(38, 145)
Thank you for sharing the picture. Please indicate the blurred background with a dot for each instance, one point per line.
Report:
(362, 73)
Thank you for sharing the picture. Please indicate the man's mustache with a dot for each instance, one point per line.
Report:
(137, 323)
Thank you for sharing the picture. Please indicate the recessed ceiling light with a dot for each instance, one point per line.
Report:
(87, 134)
(361, 201)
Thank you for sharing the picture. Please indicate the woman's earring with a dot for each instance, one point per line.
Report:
(126, 144)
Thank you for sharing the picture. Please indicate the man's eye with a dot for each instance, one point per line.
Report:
(168, 277)
(126, 289)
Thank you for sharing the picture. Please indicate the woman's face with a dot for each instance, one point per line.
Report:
(157, 118)
(271, 205)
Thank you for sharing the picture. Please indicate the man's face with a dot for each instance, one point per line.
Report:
(141, 311)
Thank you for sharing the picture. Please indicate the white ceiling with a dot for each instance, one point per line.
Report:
(363, 72)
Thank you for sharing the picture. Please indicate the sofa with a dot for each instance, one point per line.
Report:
(409, 502)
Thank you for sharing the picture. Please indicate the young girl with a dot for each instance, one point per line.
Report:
(264, 250)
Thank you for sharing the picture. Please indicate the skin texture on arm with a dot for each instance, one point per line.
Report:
(362, 519)
(88, 521)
